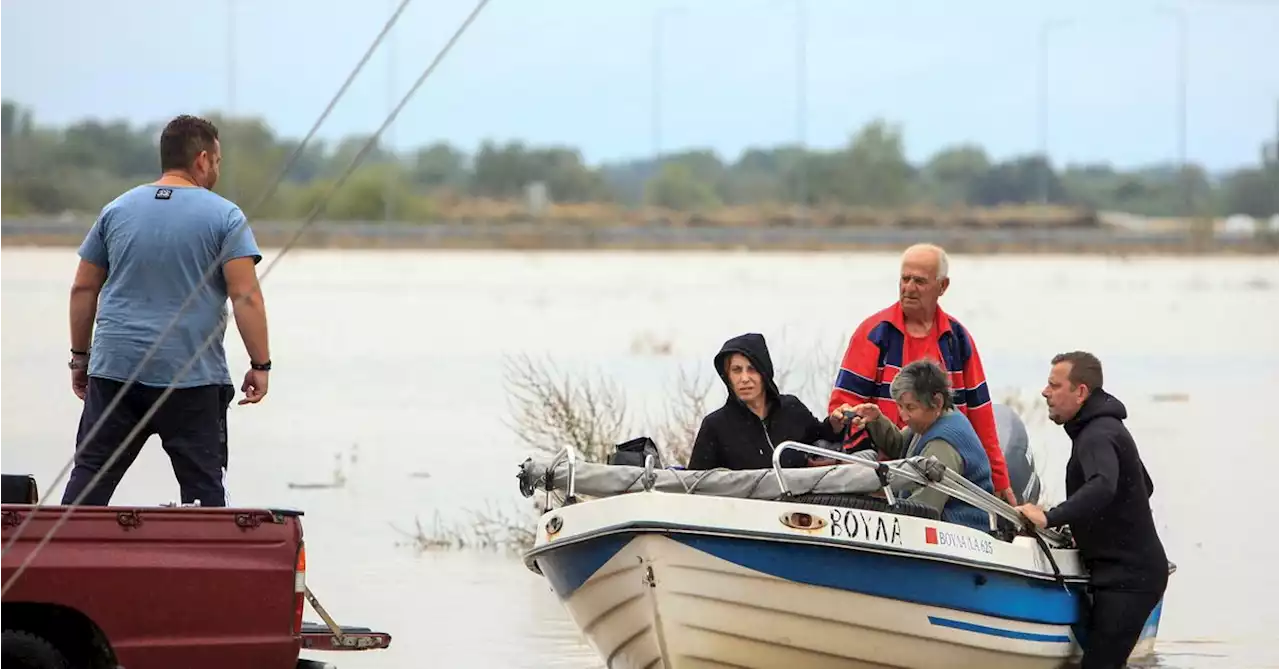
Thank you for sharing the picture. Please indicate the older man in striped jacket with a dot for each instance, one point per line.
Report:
(917, 328)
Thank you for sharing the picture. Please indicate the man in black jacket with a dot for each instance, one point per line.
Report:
(756, 417)
(1107, 508)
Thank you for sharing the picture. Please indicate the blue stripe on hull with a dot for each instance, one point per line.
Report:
(905, 579)
(1152, 626)
(996, 631)
(908, 579)
(570, 565)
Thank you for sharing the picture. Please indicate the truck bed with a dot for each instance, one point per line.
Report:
(169, 586)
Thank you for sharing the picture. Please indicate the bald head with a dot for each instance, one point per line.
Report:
(921, 281)
(927, 255)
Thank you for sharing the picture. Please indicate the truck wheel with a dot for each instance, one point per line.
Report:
(25, 650)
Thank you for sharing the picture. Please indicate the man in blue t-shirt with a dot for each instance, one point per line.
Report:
(149, 251)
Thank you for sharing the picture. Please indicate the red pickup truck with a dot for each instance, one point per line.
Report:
(150, 587)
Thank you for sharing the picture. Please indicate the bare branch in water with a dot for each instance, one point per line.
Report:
(493, 528)
(553, 410)
(680, 423)
(810, 374)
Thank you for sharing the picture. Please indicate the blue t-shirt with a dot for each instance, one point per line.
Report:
(156, 243)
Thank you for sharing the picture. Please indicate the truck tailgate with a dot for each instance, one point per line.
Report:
(190, 587)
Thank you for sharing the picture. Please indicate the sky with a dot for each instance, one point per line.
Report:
(581, 72)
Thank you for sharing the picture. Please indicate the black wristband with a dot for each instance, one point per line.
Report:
(75, 352)
(263, 367)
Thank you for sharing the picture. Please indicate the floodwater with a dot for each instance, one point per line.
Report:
(393, 361)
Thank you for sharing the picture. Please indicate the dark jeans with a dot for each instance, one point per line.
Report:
(192, 424)
(1115, 623)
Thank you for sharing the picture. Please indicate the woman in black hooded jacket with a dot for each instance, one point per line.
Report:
(756, 416)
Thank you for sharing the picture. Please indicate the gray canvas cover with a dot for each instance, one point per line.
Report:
(600, 480)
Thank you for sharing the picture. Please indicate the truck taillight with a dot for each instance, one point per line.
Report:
(299, 587)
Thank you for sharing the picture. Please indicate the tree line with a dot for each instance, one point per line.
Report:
(51, 170)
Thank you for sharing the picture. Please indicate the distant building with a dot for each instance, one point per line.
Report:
(535, 194)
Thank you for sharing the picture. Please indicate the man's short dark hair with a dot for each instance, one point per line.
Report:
(183, 139)
(1086, 369)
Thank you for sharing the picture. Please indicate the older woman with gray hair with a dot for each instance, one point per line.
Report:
(935, 428)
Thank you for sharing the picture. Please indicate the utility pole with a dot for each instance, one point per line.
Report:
(1182, 104)
(393, 169)
(655, 96)
(1275, 165)
(1179, 14)
(655, 83)
(231, 57)
(655, 86)
(802, 102)
(1042, 105)
(231, 87)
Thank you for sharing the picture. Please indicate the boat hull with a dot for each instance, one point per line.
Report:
(663, 602)
(673, 596)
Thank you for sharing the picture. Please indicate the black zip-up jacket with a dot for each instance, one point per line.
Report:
(1107, 505)
(734, 437)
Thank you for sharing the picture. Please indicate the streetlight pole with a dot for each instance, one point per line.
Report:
(393, 173)
(1043, 104)
(1179, 14)
(655, 87)
(231, 86)
(231, 57)
(802, 102)
(1275, 164)
(659, 24)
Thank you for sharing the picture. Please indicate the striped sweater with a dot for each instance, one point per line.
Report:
(875, 354)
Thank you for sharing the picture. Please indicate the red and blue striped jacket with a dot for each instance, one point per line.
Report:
(874, 356)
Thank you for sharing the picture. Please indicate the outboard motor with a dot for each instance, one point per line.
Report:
(1017, 454)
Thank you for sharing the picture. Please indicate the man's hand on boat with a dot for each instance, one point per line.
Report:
(1033, 513)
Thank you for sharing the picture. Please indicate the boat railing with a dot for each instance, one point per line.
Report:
(569, 455)
(936, 476)
(929, 473)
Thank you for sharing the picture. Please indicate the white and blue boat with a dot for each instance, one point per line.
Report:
(793, 568)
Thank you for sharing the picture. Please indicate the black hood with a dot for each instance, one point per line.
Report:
(753, 346)
(1099, 405)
